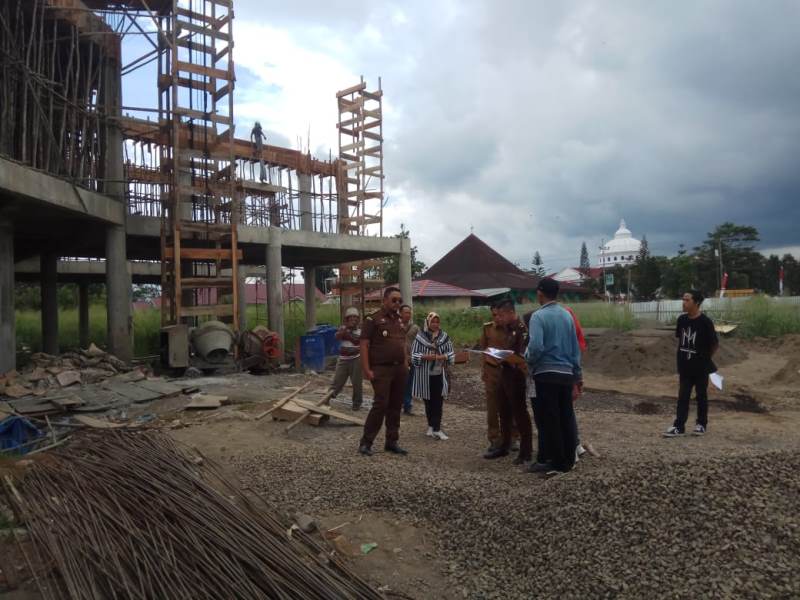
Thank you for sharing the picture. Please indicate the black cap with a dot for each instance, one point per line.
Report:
(548, 286)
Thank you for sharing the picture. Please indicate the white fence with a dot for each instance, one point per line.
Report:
(666, 311)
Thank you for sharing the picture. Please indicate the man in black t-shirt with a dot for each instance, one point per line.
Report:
(697, 343)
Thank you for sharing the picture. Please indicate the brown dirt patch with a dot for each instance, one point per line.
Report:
(645, 352)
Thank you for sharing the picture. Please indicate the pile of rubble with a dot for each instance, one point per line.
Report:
(47, 372)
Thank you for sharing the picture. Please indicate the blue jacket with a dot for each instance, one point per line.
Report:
(553, 345)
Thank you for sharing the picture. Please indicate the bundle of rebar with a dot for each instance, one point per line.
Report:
(129, 514)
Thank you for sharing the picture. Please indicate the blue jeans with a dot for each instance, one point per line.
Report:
(407, 394)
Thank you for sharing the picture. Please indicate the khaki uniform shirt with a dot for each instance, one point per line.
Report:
(387, 338)
(513, 337)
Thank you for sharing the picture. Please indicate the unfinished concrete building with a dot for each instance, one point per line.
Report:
(92, 189)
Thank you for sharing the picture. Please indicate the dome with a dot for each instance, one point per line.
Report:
(622, 249)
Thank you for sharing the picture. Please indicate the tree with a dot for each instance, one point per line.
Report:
(644, 249)
(739, 258)
(537, 266)
(584, 263)
(646, 276)
(791, 275)
(678, 274)
(769, 280)
(391, 264)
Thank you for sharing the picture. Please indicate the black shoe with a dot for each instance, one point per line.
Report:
(355, 408)
(521, 460)
(538, 467)
(495, 453)
(395, 449)
(408, 411)
(365, 450)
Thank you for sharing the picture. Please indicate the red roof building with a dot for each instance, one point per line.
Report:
(443, 295)
(474, 265)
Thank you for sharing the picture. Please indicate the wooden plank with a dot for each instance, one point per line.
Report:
(359, 87)
(325, 400)
(202, 71)
(217, 310)
(330, 412)
(282, 401)
(290, 412)
(206, 282)
(220, 35)
(203, 253)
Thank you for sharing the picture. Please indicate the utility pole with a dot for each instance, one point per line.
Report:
(603, 264)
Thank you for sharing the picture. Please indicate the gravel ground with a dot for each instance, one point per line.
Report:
(657, 525)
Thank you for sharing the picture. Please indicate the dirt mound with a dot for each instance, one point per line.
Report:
(790, 374)
(639, 353)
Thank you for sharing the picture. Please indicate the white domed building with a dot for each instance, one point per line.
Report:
(622, 250)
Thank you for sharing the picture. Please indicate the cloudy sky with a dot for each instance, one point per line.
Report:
(539, 124)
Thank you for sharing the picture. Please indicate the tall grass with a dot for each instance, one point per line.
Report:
(602, 314)
(760, 317)
(146, 326)
(463, 325)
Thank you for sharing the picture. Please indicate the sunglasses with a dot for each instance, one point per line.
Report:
(396, 300)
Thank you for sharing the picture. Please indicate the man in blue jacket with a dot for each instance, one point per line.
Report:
(554, 360)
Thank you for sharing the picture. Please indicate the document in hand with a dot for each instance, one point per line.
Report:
(495, 353)
(716, 379)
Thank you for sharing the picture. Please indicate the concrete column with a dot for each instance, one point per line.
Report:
(404, 271)
(306, 208)
(275, 284)
(83, 314)
(118, 279)
(118, 295)
(242, 283)
(48, 271)
(310, 276)
(8, 348)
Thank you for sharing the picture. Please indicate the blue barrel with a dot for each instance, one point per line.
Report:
(328, 333)
(312, 352)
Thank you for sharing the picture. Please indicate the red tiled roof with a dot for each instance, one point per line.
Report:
(427, 288)
(473, 265)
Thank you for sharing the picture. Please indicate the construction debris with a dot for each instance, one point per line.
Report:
(207, 401)
(46, 372)
(126, 513)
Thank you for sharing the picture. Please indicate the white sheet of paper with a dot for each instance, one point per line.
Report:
(495, 353)
(716, 379)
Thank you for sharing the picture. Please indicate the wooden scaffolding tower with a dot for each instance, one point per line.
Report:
(199, 247)
(361, 197)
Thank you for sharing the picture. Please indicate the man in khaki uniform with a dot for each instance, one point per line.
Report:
(509, 388)
(385, 364)
(493, 334)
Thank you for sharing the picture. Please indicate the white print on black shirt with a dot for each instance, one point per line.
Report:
(688, 339)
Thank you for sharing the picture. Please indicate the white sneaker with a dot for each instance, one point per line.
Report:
(579, 451)
(440, 435)
(430, 433)
(673, 432)
(699, 430)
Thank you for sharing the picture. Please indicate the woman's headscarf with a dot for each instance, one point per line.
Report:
(431, 316)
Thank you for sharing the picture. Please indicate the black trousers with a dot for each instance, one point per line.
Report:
(554, 416)
(433, 405)
(700, 385)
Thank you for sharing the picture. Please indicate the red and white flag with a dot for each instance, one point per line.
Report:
(780, 281)
(724, 285)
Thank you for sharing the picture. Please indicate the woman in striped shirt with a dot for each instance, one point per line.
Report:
(430, 352)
